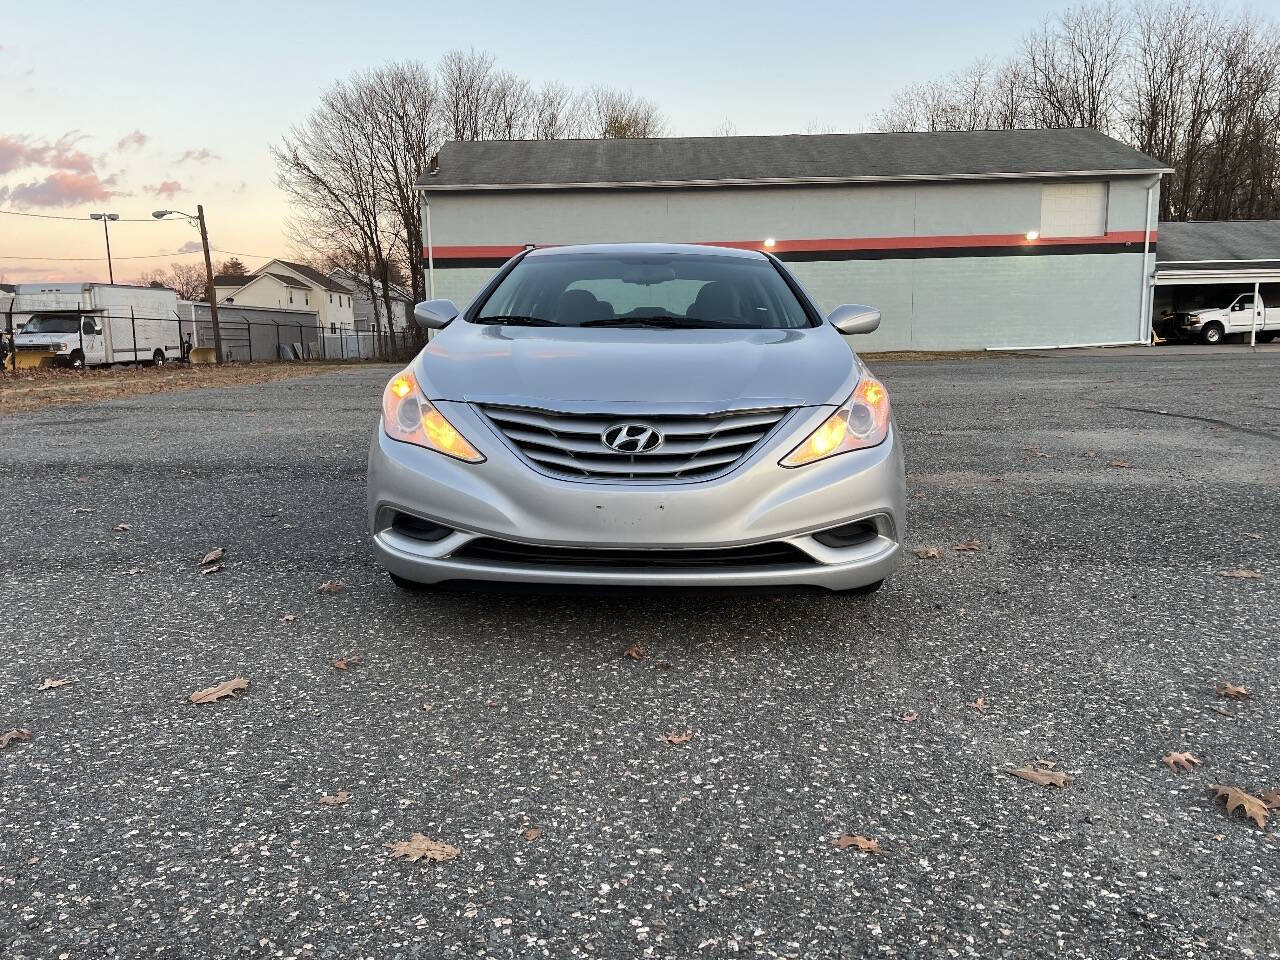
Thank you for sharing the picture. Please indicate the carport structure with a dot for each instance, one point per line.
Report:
(1209, 263)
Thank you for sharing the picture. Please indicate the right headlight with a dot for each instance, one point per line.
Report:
(861, 421)
(410, 417)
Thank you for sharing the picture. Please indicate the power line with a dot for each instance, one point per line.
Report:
(52, 216)
(142, 256)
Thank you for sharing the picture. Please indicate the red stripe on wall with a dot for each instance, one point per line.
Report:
(1117, 237)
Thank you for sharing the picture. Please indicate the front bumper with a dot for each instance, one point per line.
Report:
(757, 503)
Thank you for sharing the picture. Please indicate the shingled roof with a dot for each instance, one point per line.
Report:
(1218, 241)
(825, 158)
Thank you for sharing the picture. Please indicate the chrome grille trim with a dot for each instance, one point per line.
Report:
(694, 447)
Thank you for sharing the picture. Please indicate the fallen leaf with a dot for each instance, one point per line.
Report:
(288, 618)
(213, 556)
(51, 682)
(909, 717)
(864, 844)
(213, 569)
(428, 707)
(331, 586)
(1180, 761)
(927, 553)
(1241, 574)
(1123, 465)
(969, 546)
(421, 847)
(342, 663)
(133, 571)
(635, 652)
(1254, 536)
(227, 688)
(1233, 691)
(1271, 798)
(335, 799)
(981, 705)
(1221, 710)
(13, 736)
(675, 738)
(1043, 778)
(122, 528)
(533, 833)
(1236, 799)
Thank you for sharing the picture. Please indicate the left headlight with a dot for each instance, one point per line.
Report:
(861, 421)
(410, 417)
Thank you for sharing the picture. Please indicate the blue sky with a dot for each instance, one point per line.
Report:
(228, 78)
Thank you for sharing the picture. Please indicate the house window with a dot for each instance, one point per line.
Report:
(291, 296)
(331, 298)
(306, 296)
(333, 328)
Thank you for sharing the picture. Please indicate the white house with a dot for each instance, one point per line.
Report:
(371, 314)
(284, 284)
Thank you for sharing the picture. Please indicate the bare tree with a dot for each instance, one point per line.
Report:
(610, 114)
(1073, 63)
(981, 96)
(555, 113)
(188, 280)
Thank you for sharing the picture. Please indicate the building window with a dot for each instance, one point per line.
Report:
(306, 296)
(331, 298)
(333, 328)
(291, 296)
(1073, 210)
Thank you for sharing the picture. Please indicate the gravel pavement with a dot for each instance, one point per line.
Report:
(1093, 622)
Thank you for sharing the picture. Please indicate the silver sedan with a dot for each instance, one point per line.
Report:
(639, 415)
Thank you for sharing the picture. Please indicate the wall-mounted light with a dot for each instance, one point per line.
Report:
(769, 241)
(1033, 234)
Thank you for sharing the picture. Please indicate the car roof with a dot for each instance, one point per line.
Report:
(678, 249)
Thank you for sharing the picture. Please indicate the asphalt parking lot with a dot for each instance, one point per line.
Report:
(1107, 492)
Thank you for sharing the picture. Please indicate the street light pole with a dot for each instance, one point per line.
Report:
(198, 219)
(105, 218)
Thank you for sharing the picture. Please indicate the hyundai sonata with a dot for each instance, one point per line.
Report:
(638, 415)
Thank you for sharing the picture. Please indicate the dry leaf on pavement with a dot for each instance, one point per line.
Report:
(1236, 799)
(335, 799)
(981, 705)
(909, 716)
(122, 528)
(342, 663)
(1241, 574)
(227, 688)
(288, 618)
(865, 844)
(13, 736)
(331, 586)
(213, 556)
(675, 738)
(927, 553)
(1044, 778)
(133, 571)
(1233, 691)
(51, 682)
(1123, 465)
(1271, 798)
(969, 546)
(533, 833)
(635, 652)
(421, 847)
(1180, 761)
(211, 569)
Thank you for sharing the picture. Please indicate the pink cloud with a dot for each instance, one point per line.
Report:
(198, 156)
(135, 139)
(168, 188)
(63, 189)
(17, 153)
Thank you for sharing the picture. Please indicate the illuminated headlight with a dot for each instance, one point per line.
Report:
(410, 417)
(862, 421)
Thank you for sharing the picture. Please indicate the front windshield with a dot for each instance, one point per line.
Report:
(52, 323)
(644, 289)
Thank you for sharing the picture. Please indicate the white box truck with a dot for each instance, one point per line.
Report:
(92, 324)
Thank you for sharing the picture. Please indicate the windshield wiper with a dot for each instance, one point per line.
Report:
(661, 322)
(514, 319)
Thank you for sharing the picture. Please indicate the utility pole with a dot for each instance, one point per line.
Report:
(213, 297)
(198, 219)
(105, 218)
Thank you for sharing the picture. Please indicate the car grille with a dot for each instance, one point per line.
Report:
(694, 447)
(490, 550)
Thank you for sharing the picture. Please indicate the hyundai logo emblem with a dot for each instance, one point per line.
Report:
(631, 438)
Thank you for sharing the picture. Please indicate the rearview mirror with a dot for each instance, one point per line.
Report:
(854, 318)
(434, 314)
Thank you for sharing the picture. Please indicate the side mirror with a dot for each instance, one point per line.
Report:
(434, 314)
(854, 318)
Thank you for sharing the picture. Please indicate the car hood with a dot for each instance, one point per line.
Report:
(571, 367)
(39, 339)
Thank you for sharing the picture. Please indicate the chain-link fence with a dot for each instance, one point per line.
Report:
(77, 339)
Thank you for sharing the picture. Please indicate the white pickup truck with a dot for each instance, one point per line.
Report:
(89, 324)
(1211, 324)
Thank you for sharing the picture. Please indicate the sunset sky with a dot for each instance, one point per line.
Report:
(130, 106)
